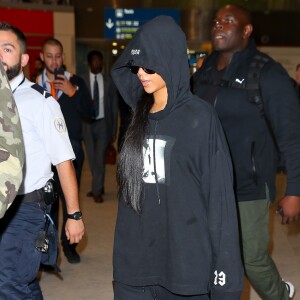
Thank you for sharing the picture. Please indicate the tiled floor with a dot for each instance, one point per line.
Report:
(92, 278)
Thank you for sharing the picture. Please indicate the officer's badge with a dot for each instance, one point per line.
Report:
(60, 125)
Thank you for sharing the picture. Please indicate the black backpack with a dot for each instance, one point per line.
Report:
(253, 76)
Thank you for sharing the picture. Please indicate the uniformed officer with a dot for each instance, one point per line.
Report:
(46, 142)
(11, 145)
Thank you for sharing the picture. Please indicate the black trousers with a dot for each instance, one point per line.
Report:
(155, 292)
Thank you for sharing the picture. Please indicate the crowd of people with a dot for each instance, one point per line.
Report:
(196, 169)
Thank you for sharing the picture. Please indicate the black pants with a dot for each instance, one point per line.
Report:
(126, 292)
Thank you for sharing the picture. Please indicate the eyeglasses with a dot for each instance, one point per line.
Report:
(135, 69)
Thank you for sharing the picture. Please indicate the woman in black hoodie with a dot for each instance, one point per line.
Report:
(176, 235)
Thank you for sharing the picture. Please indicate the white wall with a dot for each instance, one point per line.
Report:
(64, 31)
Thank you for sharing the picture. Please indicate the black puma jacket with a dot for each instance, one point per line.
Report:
(255, 139)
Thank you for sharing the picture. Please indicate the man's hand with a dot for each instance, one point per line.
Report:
(64, 85)
(74, 230)
(289, 209)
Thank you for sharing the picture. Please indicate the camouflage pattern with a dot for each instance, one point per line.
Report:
(11, 145)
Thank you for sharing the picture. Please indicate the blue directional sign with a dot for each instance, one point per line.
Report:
(122, 23)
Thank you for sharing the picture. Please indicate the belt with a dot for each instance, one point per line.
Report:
(46, 195)
(32, 197)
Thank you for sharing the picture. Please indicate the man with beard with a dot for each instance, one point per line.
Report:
(76, 104)
(255, 128)
(23, 243)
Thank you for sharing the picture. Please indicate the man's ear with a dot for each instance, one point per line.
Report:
(248, 31)
(42, 56)
(24, 60)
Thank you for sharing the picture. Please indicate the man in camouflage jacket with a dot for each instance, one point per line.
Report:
(11, 145)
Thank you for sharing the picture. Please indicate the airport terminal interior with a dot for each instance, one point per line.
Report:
(91, 279)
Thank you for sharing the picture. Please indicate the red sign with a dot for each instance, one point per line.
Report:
(36, 25)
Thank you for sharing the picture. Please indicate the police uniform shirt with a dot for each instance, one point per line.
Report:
(44, 130)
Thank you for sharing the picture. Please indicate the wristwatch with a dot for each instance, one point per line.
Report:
(75, 216)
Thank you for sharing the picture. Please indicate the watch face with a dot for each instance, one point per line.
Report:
(76, 216)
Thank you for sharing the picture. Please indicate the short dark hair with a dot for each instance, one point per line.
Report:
(53, 42)
(297, 67)
(93, 53)
(19, 34)
(246, 12)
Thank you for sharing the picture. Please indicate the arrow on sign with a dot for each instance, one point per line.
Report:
(109, 24)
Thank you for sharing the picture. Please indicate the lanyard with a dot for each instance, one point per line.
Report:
(19, 85)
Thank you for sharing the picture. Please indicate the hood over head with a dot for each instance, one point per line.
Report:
(159, 45)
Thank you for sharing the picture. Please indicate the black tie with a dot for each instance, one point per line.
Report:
(96, 97)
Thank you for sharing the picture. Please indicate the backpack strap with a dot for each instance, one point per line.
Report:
(251, 84)
(253, 77)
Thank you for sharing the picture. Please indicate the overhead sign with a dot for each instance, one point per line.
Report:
(122, 23)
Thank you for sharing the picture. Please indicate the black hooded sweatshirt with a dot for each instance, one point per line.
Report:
(186, 237)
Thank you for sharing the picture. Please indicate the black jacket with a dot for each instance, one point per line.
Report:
(254, 140)
(186, 238)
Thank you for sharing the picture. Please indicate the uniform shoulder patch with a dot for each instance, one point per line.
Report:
(41, 90)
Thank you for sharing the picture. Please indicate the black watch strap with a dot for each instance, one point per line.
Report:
(75, 216)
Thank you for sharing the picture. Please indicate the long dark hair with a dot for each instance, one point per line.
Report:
(131, 162)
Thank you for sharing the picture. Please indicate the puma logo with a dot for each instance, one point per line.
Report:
(239, 81)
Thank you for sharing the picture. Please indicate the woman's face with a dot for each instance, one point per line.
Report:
(152, 83)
